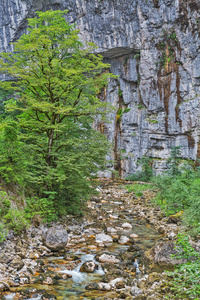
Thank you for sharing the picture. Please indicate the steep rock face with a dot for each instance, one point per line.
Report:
(154, 47)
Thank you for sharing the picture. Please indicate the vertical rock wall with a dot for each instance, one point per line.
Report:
(154, 47)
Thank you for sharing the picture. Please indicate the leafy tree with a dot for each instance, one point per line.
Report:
(12, 158)
(56, 80)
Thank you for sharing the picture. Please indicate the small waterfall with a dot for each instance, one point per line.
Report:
(78, 276)
(11, 296)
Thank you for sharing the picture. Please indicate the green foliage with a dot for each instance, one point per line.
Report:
(3, 232)
(138, 189)
(4, 203)
(44, 208)
(186, 277)
(181, 192)
(48, 144)
(11, 217)
(4, 95)
(126, 61)
(15, 219)
(178, 188)
(137, 56)
(12, 155)
(152, 119)
(147, 172)
(167, 46)
(140, 106)
(120, 93)
(120, 112)
(4, 209)
(174, 161)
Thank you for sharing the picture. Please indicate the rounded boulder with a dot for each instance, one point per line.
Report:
(55, 238)
(89, 267)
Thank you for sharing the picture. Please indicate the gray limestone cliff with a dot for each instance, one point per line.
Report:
(154, 47)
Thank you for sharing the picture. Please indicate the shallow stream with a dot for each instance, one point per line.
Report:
(114, 213)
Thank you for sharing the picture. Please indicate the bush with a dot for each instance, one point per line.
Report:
(16, 220)
(186, 277)
(5, 203)
(181, 192)
(3, 232)
(43, 207)
(11, 218)
(174, 161)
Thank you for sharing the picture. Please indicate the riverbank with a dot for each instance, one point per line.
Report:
(118, 250)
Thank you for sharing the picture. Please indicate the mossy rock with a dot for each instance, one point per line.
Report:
(154, 277)
(176, 217)
(47, 296)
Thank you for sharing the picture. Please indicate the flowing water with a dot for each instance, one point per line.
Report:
(74, 287)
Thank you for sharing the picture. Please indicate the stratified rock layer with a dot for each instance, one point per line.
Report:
(154, 47)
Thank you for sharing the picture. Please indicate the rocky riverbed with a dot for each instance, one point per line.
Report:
(118, 250)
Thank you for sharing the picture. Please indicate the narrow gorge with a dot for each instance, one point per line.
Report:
(99, 154)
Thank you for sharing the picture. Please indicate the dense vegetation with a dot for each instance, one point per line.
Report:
(179, 194)
(48, 147)
(178, 188)
(184, 280)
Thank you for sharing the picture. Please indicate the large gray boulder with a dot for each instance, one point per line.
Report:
(162, 255)
(55, 238)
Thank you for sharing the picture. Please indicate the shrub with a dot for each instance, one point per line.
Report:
(138, 189)
(180, 192)
(3, 232)
(5, 203)
(174, 160)
(186, 277)
(15, 220)
(44, 207)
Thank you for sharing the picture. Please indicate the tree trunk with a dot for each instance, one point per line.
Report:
(50, 146)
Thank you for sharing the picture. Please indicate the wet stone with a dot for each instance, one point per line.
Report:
(127, 226)
(107, 258)
(89, 267)
(135, 291)
(104, 286)
(133, 235)
(47, 296)
(17, 263)
(123, 240)
(120, 285)
(124, 294)
(154, 277)
(134, 248)
(161, 230)
(92, 286)
(55, 238)
(103, 238)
